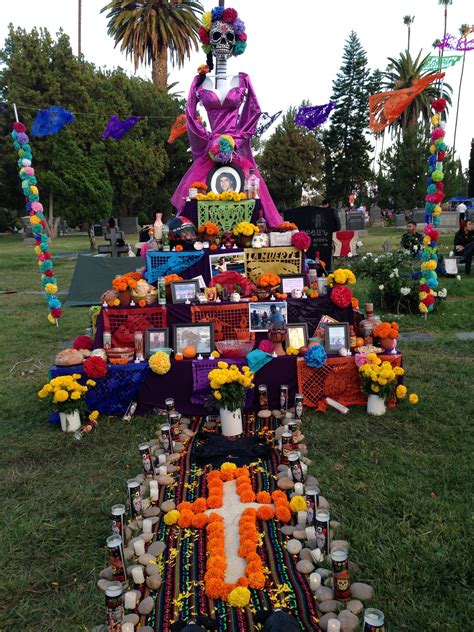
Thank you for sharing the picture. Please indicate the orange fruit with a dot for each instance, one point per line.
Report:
(303, 350)
(189, 352)
(178, 356)
(360, 342)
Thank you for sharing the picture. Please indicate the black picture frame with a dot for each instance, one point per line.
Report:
(149, 347)
(177, 287)
(234, 173)
(295, 277)
(336, 336)
(291, 327)
(193, 336)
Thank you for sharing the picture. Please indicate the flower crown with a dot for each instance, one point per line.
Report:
(223, 15)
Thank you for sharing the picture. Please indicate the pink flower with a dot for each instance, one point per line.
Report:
(361, 359)
(267, 346)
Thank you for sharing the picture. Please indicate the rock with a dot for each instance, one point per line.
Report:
(279, 432)
(311, 482)
(188, 432)
(317, 555)
(99, 628)
(146, 484)
(288, 529)
(139, 478)
(340, 545)
(183, 438)
(335, 524)
(276, 414)
(299, 534)
(353, 567)
(171, 458)
(355, 606)
(284, 474)
(147, 537)
(285, 483)
(146, 502)
(128, 534)
(131, 618)
(282, 468)
(172, 468)
(302, 448)
(156, 548)
(304, 566)
(293, 547)
(154, 581)
(168, 505)
(102, 584)
(133, 526)
(164, 479)
(323, 503)
(152, 569)
(146, 606)
(324, 594)
(185, 421)
(324, 620)
(329, 582)
(146, 559)
(107, 573)
(128, 553)
(306, 461)
(305, 554)
(349, 622)
(328, 606)
(151, 512)
(361, 591)
(178, 447)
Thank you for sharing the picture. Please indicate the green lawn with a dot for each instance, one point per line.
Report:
(400, 486)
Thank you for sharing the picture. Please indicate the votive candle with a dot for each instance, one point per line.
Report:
(130, 600)
(153, 490)
(139, 547)
(137, 574)
(333, 626)
(314, 581)
(299, 489)
(161, 459)
(302, 518)
(147, 525)
(162, 470)
(128, 627)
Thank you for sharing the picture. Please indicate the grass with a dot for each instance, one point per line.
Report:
(400, 485)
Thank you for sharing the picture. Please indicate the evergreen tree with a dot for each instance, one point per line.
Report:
(291, 161)
(346, 145)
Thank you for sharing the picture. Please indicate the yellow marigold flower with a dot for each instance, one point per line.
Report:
(222, 365)
(94, 415)
(217, 395)
(51, 288)
(375, 388)
(228, 466)
(401, 391)
(42, 393)
(75, 395)
(215, 354)
(398, 370)
(172, 517)
(374, 377)
(382, 381)
(91, 383)
(298, 503)
(239, 597)
(413, 398)
(61, 396)
(48, 388)
(206, 20)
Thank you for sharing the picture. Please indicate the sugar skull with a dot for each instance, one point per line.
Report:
(260, 240)
(222, 40)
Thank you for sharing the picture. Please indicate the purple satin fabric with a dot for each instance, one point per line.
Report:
(224, 118)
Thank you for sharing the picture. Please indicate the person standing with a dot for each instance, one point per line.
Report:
(464, 244)
(461, 208)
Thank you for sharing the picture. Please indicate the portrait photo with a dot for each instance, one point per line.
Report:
(197, 335)
(336, 336)
(155, 340)
(182, 291)
(226, 179)
(297, 335)
(227, 263)
(263, 315)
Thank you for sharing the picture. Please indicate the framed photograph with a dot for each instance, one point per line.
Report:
(280, 239)
(234, 262)
(197, 335)
(226, 179)
(262, 315)
(291, 282)
(336, 336)
(297, 335)
(201, 282)
(182, 291)
(324, 320)
(155, 340)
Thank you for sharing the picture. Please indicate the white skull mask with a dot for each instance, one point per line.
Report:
(222, 40)
(260, 240)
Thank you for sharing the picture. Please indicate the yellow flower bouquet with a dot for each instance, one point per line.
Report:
(66, 393)
(229, 385)
(381, 378)
(341, 276)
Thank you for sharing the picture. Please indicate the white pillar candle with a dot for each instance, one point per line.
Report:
(299, 489)
(128, 627)
(162, 470)
(139, 547)
(130, 600)
(147, 525)
(161, 459)
(153, 490)
(302, 517)
(314, 581)
(333, 626)
(137, 574)
(311, 537)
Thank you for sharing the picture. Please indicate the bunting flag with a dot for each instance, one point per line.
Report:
(432, 64)
(461, 44)
(177, 129)
(51, 121)
(117, 129)
(314, 115)
(386, 107)
(265, 122)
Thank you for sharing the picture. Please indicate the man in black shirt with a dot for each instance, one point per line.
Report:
(412, 240)
(464, 244)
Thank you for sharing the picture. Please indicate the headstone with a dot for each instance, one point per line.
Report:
(129, 225)
(28, 238)
(342, 218)
(375, 214)
(98, 231)
(400, 221)
(419, 215)
(319, 223)
(387, 245)
(355, 220)
(112, 236)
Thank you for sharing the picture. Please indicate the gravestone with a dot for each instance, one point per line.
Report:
(355, 220)
(387, 245)
(419, 215)
(400, 221)
(375, 214)
(28, 238)
(129, 225)
(319, 223)
(111, 248)
(342, 218)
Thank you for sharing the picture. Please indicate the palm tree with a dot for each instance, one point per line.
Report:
(150, 29)
(464, 31)
(445, 4)
(401, 73)
(408, 21)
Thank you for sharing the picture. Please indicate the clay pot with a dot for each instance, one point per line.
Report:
(388, 343)
(125, 298)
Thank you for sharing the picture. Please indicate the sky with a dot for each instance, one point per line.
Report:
(294, 49)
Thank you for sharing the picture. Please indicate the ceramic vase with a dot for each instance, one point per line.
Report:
(125, 298)
(388, 343)
(158, 227)
(376, 405)
(231, 422)
(70, 422)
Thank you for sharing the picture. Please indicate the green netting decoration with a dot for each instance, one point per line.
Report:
(226, 215)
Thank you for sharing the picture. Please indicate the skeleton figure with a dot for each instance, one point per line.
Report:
(222, 40)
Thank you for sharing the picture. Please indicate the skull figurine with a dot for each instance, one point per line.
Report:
(260, 240)
(222, 40)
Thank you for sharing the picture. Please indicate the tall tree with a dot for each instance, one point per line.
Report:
(445, 4)
(464, 30)
(347, 149)
(408, 21)
(150, 29)
(470, 191)
(291, 162)
(401, 73)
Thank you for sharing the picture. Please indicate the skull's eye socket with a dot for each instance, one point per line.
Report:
(230, 37)
(216, 36)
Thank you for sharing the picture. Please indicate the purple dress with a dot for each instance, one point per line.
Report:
(224, 119)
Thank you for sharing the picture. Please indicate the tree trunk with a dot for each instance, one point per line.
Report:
(159, 70)
(459, 99)
(52, 222)
(408, 49)
(91, 236)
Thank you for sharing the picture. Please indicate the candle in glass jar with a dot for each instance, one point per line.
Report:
(333, 626)
(153, 490)
(162, 470)
(314, 581)
(299, 489)
(128, 627)
(137, 574)
(161, 459)
(139, 547)
(301, 519)
(147, 525)
(130, 601)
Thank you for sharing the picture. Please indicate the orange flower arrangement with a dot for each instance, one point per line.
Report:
(142, 303)
(286, 226)
(136, 276)
(268, 280)
(179, 248)
(209, 228)
(118, 360)
(198, 185)
(386, 330)
(123, 283)
(282, 506)
(172, 277)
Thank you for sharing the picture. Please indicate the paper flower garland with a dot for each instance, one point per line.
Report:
(315, 356)
(341, 296)
(37, 220)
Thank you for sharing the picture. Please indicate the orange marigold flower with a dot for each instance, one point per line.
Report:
(199, 505)
(253, 557)
(247, 496)
(250, 512)
(214, 588)
(214, 518)
(254, 567)
(213, 573)
(247, 547)
(214, 502)
(263, 498)
(226, 589)
(200, 520)
(283, 514)
(249, 535)
(265, 513)
(241, 471)
(278, 494)
(257, 580)
(217, 561)
(243, 582)
(185, 506)
(185, 519)
(227, 475)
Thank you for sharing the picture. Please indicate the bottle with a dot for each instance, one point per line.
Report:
(165, 238)
(367, 325)
(158, 227)
(352, 337)
(152, 244)
(252, 185)
(262, 223)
